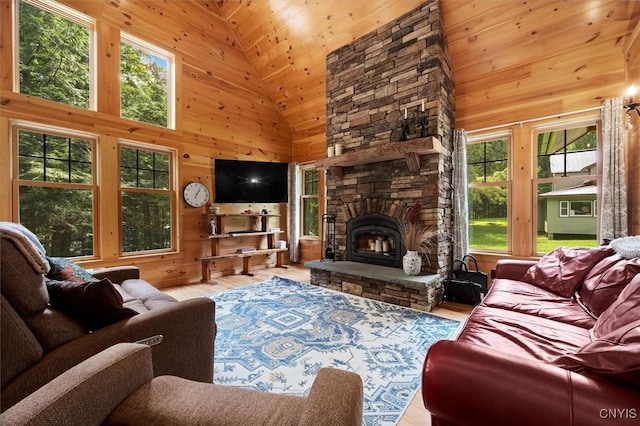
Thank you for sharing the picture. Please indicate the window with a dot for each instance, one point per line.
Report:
(146, 83)
(146, 194)
(310, 204)
(55, 182)
(55, 53)
(488, 178)
(567, 187)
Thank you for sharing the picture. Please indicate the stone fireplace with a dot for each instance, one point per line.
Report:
(390, 105)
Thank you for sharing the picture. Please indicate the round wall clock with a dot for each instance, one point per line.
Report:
(195, 194)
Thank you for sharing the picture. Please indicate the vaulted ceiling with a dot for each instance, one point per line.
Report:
(496, 47)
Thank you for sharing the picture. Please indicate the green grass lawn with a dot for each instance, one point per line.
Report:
(491, 234)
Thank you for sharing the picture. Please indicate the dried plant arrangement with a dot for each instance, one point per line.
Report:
(415, 235)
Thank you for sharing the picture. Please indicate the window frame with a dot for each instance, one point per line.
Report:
(304, 196)
(153, 49)
(16, 182)
(489, 137)
(74, 16)
(172, 191)
(536, 181)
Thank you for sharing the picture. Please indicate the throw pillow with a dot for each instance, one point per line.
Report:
(562, 270)
(605, 281)
(614, 354)
(95, 304)
(63, 269)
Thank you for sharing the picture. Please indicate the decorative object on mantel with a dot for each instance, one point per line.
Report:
(416, 237)
(422, 122)
(404, 128)
(329, 236)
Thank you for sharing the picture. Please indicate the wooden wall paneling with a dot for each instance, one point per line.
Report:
(632, 70)
(6, 46)
(108, 62)
(5, 170)
(521, 196)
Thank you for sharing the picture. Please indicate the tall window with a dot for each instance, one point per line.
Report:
(488, 177)
(567, 187)
(146, 194)
(146, 82)
(55, 53)
(310, 204)
(55, 182)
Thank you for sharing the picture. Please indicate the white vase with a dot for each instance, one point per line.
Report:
(412, 263)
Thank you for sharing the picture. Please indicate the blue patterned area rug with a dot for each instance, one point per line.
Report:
(275, 335)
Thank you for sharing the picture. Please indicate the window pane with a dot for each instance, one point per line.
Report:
(43, 157)
(54, 57)
(310, 182)
(144, 85)
(146, 221)
(488, 161)
(488, 227)
(566, 216)
(310, 217)
(569, 152)
(143, 169)
(61, 218)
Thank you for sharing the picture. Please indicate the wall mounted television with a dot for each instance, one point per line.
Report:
(238, 181)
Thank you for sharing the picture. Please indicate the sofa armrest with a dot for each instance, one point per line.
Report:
(467, 384)
(336, 398)
(116, 274)
(188, 330)
(88, 392)
(513, 269)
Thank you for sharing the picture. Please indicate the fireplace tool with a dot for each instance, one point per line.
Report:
(329, 239)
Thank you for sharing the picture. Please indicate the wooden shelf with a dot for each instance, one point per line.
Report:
(409, 150)
(216, 253)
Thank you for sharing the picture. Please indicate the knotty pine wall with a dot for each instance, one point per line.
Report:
(223, 111)
(632, 57)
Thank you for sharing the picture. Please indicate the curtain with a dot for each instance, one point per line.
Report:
(294, 209)
(613, 211)
(460, 208)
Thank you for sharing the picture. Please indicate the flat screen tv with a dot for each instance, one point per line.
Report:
(238, 181)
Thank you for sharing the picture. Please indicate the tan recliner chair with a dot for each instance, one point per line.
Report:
(117, 387)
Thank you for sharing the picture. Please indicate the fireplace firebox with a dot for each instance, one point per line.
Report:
(374, 239)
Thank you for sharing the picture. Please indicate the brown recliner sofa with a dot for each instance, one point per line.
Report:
(39, 342)
(122, 376)
(554, 342)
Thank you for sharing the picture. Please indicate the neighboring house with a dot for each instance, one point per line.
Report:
(570, 210)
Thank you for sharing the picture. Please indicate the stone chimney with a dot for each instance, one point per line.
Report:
(370, 84)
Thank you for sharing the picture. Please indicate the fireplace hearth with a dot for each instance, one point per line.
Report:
(374, 239)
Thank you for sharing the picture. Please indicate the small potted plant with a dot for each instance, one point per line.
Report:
(416, 237)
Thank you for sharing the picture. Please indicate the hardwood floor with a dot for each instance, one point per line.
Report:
(415, 415)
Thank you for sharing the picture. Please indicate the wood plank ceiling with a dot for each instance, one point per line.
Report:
(496, 46)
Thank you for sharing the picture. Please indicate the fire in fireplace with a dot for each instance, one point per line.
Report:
(375, 239)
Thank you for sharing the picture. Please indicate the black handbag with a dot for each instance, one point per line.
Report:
(464, 285)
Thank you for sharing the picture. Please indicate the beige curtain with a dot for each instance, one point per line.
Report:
(460, 207)
(294, 212)
(613, 211)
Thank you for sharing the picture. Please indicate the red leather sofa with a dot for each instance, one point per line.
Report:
(554, 342)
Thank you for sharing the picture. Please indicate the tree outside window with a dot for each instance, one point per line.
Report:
(146, 81)
(146, 193)
(56, 190)
(310, 204)
(488, 178)
(55, 53)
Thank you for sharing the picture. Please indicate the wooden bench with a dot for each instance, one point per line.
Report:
(246, 260)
